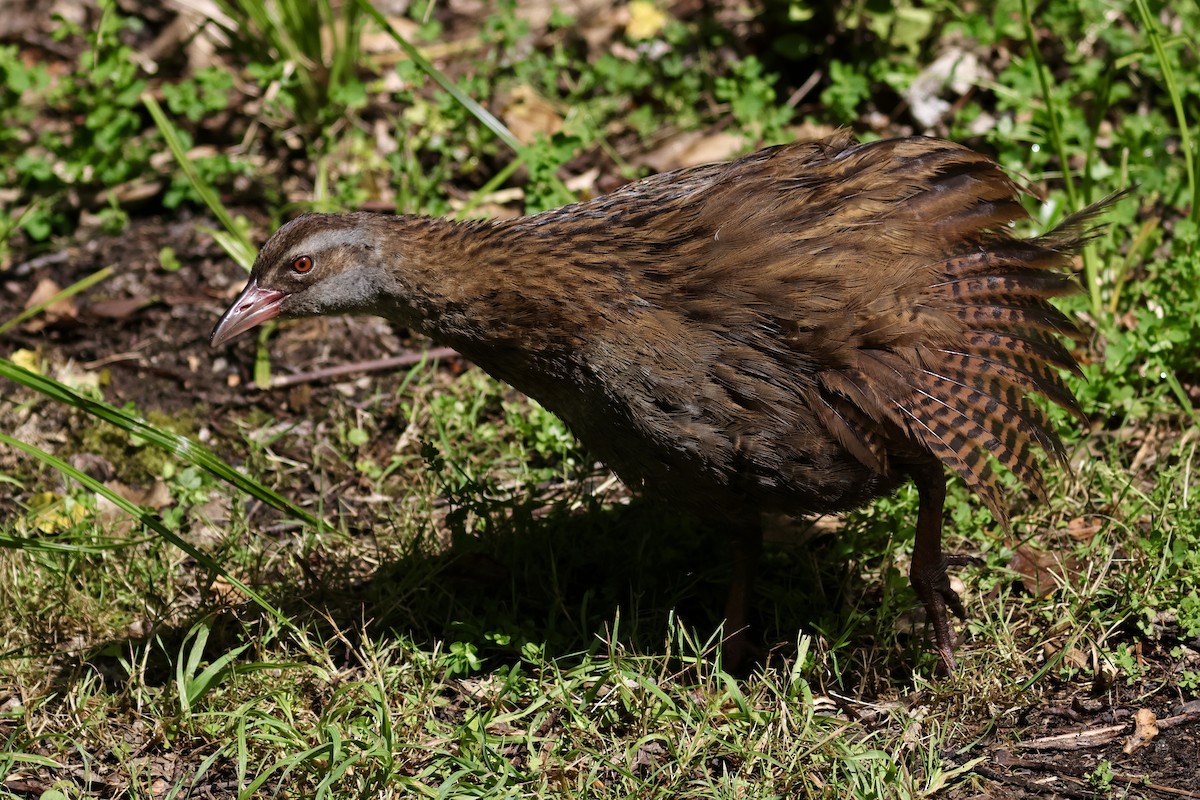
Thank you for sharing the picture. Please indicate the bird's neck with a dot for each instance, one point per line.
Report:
(488, 287)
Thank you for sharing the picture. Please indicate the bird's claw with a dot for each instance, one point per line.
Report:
(932, 585)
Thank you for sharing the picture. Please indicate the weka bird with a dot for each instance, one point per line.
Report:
(802, 329)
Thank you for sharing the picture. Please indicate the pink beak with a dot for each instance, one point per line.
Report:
(253, 307)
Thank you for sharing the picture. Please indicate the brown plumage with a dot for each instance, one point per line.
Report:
(801, 329)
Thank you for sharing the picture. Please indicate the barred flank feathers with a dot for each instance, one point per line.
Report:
(969, 400)
(966, 398)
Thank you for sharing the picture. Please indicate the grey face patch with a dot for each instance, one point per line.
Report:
(361, 290)
(325, 237)
(325, 241)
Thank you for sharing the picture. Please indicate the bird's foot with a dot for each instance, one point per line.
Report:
(932, 585)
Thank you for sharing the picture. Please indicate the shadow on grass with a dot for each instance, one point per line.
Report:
(557, 583)
(581, 580)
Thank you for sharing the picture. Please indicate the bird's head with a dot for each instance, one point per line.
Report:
(316, 264)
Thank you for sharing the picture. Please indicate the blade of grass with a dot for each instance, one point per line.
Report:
(179, 446)
(83, 284)
(479, 112)
(492, 185)
(318, 41)
(145, 517)
(1091, 270)
(262, 357)
(345, 57)
(1185, 136)
(1185, 401)
(1056, 137)
(237, 245)
(1144, 233)
(10, 224)
(191, 681)
(279, 30)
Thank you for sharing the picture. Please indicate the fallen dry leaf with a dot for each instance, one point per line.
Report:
(27, 359)
(52, 513)
(1040, 570)
(1083, 529)
(646, 19)
(57, 311)
(120, 308)
(1146, 728)
(157, 496)
(226, 592)
(691, 148)
(527, 113)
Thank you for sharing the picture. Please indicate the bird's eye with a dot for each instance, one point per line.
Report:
(302, 264)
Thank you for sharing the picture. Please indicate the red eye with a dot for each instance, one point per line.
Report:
(302, 264)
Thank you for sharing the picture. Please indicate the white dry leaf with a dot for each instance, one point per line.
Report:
(1145, 729)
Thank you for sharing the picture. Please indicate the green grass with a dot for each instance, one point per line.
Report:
(482, 611)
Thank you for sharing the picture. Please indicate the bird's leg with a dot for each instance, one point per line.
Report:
(746, 544)
(928, 571)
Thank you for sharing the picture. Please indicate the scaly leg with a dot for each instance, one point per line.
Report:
(928, 571)
(747, 546)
